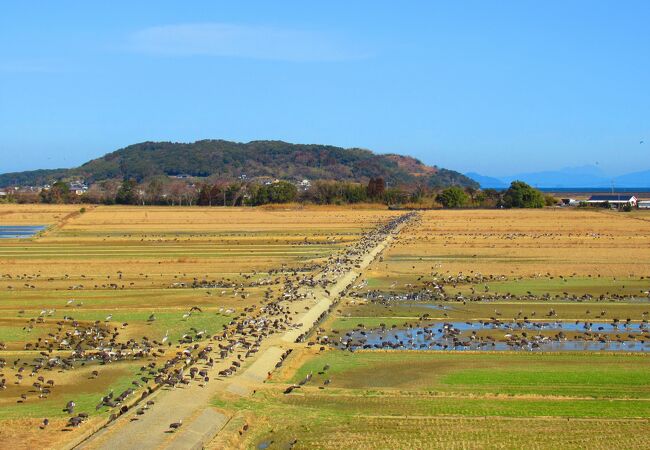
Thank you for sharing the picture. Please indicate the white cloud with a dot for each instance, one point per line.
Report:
(244, 41)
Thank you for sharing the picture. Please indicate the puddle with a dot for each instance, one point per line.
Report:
(496, 336)
(19, 231)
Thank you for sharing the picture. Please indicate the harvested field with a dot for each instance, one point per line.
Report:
(170, 276)
(507, 275)
(166, 279)
(524, 243)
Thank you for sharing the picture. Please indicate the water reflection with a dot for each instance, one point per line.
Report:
(496, 336)
(19, 231)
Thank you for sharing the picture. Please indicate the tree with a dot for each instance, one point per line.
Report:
(471, 191)
(550, 200)
(522, 195)
(453, 197)
(488, 198)
(324, 192)
(59, 192)
(126, 194)
(234, 194)
(205, 198)
(354, 193)
(258, 195)
(282, 192)
(153, 190)
(109, 189)
(395, 196)
(376, 188)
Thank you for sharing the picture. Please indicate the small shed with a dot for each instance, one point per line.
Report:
(570, 202)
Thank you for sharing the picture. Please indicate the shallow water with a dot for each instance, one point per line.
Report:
(456, 336)
(19, 231)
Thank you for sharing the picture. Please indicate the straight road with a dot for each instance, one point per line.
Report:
(191, 404)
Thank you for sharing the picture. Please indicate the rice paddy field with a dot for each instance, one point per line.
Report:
(518, 288)
(473, 329)
(167, 275)
(445, 400)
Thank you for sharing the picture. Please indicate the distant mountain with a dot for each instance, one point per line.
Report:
(636, 179)
(569, 177)
(584, 176)
(487, 182)
(226, 159)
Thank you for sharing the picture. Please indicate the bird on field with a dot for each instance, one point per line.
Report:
(175, 425)
(69, 407)
(44, 424)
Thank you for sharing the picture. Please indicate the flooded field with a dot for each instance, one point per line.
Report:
(519, 339)
(19, 231)
(502, 336)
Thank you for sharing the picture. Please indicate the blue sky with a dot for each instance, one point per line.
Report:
(493, 87)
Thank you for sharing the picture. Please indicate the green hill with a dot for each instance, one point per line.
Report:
(226, 159)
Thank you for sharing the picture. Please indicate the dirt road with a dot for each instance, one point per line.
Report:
(191, 404)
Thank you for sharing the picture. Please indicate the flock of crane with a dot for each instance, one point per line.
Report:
(74, 343)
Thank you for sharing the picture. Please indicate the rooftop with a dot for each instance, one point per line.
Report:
(611, 197)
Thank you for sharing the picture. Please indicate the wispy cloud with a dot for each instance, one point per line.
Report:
(243, 41)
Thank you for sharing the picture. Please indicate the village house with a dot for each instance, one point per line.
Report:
(615, 200)
(78, 188)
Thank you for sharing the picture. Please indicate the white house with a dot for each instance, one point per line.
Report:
(78, 188)
(616, 200)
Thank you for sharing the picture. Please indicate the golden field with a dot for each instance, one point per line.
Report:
(525, 243)
(119, 265)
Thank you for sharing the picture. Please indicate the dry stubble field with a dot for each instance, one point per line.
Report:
(117, 268)
(131, 262)
(581, 265)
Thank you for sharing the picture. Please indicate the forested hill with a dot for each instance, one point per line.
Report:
(224, 159)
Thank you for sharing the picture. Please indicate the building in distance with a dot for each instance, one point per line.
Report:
(615, 200)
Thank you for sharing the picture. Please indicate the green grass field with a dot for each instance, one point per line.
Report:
(567, 375)
(453, 400)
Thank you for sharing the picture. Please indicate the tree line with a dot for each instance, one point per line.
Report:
(163, 191)
(518, 195)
